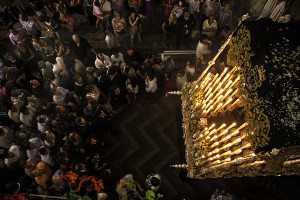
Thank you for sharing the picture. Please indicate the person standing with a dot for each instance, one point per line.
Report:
(185, 26)
(17, 36)
(224, 17)
(135, 27)
(80, 47)
(202, 47)
(210, 27)
(30, 25)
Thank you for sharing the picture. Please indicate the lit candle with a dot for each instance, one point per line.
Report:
(213, 125)
(214, 79)
(225, 78)
(218, 107)
(210, 108)
(209, 103)
(232, 95)
(227, 93)
(218, 94)
(235, 81)
(220, 97)
(223, 73)
(222, 126)
(233, 70)
(227, 85)
(206, 92)
(231, 126)
(242, 126)
(227, 102)
(216, 82)
(234, 104)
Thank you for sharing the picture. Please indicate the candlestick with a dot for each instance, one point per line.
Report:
(210, 108)
(227, 102)
(218, 107)
(235, 81)
(216, 82)
(220, 97)
(227, 93)
(225, 78)
(209, 103)
(235, 103)
(214, 79)
(222, 126)
(223, 73)
(242, 126)
(218, 94)
(232, 95)
(228, 84)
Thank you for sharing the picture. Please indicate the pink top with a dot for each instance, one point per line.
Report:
(97, 10)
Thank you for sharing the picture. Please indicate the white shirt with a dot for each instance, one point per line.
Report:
(16, 150)
(59, 99)
(117, 61)
(106, 63)
(110, 41)
(201, 50)
(190, 70)
(106, 6)
(34, 152)
(43, 127)
(47, 159)
(194, 6)
(31, 26)
(207, 26)
(151, 85)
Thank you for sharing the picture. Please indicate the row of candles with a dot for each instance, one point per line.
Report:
(218, 91)
(221, 139)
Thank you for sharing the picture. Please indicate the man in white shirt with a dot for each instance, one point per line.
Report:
(117, 59)
(202, 47)
(151, 84)
(30, 25)
(45, 156)
(102, 62)
(210, 27)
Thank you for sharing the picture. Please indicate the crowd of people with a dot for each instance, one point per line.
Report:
(57, 104)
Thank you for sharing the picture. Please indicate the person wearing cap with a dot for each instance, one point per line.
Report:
(153, 182)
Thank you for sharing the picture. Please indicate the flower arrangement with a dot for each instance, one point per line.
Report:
(14, 197)
(90, 182)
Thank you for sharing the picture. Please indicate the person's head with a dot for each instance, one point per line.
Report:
(43, 150)
(80, 121)
(181, 73)
(12, 30)
(186, 14)
(63, 73)
(154, 181)
(75, 37)
(132, 14)
(78, 79)
(97, 3)
(117, 16)
(21, 48)
(97, 73)
(34, 83)
(130, 52)
(100, 56)
(11, 57)
(10, 154)
(60, 109)
(37, 172)
(35, 39)
(211, 19)
(23, 17)
(89, 106)
(93, 141)
(103, 1)
(203, 38)
(226, 7)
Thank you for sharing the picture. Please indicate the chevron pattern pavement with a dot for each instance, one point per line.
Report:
(149, 139)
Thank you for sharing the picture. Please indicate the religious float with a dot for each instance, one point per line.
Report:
(242, 119)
